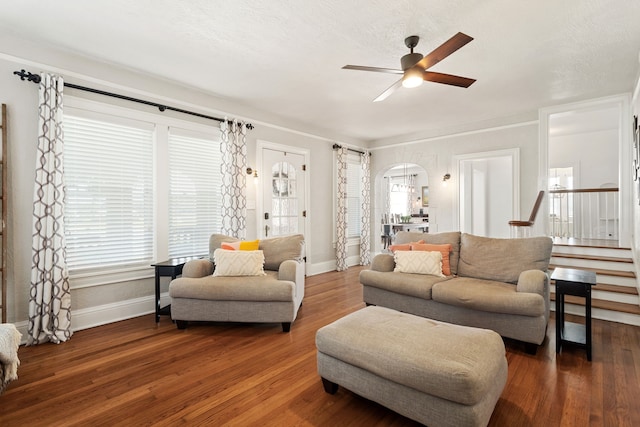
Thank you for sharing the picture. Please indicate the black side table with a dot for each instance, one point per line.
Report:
(169, 268)
(570, 281)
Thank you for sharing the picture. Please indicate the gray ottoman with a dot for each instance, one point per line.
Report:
(432, 372)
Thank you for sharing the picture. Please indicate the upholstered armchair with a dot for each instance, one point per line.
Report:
(238, 289)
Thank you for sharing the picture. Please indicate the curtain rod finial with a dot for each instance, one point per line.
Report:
(26, 75)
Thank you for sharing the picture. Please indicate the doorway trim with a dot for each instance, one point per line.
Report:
(623, 103)
(262, 145)
(513, 153)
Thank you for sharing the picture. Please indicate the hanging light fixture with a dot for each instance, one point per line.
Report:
(412, 77)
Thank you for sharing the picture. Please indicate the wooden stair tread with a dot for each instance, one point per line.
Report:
(616, 273)
(603, 304)
(588, 243)
(593, 257)
(605, 287)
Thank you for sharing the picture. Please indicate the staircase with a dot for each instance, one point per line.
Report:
(615, 297)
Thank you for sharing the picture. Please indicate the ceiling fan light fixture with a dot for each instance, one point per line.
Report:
(412, 78)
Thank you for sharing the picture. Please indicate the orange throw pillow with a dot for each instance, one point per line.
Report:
(405, 247)
(444, 249)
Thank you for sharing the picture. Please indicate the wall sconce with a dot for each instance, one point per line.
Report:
(445, 179)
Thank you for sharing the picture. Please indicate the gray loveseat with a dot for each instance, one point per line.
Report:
(272, 298)
(497, 284)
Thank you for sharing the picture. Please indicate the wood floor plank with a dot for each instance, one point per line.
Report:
(135, 373)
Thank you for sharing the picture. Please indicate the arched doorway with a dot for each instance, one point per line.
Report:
(401, 196)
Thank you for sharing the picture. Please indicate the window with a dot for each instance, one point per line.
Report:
(354, 196)
(109, 181)
(141, 187)
(194, 192)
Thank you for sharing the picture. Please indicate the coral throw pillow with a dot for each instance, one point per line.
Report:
(444, 249)
(242, 245)
(406, 247)
(238, 263)
(419, 262)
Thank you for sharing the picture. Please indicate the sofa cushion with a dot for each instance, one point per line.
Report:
(216, 240)
(238, 263)
(279, 249)
(452, 237)
(485, 295)
(445, 250)
(415, 285)
(502, 259)
(419, 262)
(239, 288)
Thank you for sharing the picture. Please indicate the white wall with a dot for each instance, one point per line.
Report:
(99, 304)
(591, 152)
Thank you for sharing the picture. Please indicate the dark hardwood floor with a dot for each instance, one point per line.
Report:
(134, 373)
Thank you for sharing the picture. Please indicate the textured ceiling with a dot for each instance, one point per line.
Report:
(285, 57)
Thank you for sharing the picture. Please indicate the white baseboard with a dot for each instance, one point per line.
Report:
(325, 267)
(103, 314)
(108, 313)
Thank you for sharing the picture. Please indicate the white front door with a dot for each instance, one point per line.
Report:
(283, 193)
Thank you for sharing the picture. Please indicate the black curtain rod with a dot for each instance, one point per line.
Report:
(35, 78)
(336, 146)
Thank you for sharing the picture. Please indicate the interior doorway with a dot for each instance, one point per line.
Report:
(401, 196)
(488, 192)
(592, 138)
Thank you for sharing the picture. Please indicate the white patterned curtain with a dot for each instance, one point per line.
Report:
(234, 179)
(50, 296)
(365, 234)
(341, 211)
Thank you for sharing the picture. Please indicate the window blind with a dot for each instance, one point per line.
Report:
(109, 201)
(195, 185)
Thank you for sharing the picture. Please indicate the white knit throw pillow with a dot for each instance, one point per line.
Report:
(238, 263)
(419, 262)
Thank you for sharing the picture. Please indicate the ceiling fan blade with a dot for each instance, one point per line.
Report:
(376, 69)
(384, 95)
(444, 50)
(447, 79)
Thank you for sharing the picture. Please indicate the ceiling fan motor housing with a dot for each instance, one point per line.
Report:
(409, 60)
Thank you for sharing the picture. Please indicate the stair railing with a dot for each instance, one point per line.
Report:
(588, 213)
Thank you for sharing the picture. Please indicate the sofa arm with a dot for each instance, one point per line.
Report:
(290, 270)
(197, 268)
(383, 262)
(293, 271)
(533, 281)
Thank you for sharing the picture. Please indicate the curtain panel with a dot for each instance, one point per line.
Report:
(365, 234)
(50, 295)
(233, 148)
(341, 210)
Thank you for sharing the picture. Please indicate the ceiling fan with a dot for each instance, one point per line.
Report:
(415, 66)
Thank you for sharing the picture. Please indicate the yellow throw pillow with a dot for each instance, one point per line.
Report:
(242, 245)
